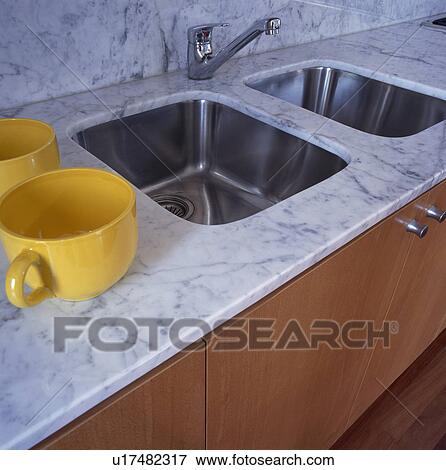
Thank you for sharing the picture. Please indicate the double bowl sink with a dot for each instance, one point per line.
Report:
(210, 164)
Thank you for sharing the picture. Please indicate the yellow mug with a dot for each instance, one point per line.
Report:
(69, 233)
(27, 148)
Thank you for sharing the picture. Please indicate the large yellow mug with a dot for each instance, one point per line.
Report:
(27, 148)
(68, 233)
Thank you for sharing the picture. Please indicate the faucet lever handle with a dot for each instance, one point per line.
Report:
(202, 34)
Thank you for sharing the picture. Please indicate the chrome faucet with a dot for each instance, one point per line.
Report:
(202, 63)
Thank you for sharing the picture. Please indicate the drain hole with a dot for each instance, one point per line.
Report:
(177, 205)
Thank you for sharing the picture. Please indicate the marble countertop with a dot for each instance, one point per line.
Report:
(211, 273)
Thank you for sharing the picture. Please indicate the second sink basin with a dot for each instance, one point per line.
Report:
(207, 162)
(366, 104)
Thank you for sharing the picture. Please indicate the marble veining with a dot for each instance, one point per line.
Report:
(211, 273)
(50, 49)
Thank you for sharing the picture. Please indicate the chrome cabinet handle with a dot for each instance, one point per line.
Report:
(418, 229)
(434, 212)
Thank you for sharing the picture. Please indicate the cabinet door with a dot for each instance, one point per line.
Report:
(419, 307)
(163, 410)
(288, 399)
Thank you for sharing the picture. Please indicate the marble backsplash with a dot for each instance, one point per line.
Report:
(50, 48)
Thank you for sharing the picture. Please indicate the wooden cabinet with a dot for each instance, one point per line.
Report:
(418, 306)
(303, 398)
(287, 384)
(420, 302)
(163, 410)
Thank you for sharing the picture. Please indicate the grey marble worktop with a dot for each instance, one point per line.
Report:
(211, 273)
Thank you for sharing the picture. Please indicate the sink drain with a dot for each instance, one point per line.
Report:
(177, 205)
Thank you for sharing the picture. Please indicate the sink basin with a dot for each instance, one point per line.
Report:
(207, 162)
(369, 105)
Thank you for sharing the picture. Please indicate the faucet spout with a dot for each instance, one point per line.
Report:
(202, 63)
(272, 26)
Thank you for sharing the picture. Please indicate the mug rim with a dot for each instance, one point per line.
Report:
(39, 149)
(93, 233)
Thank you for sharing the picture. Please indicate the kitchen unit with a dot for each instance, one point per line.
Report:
(290, 398)
(282, 402)
(342, 249)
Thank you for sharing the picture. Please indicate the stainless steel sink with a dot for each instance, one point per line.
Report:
(354, 100)
(207, 162)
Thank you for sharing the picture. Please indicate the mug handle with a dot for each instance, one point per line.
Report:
(15, 281)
